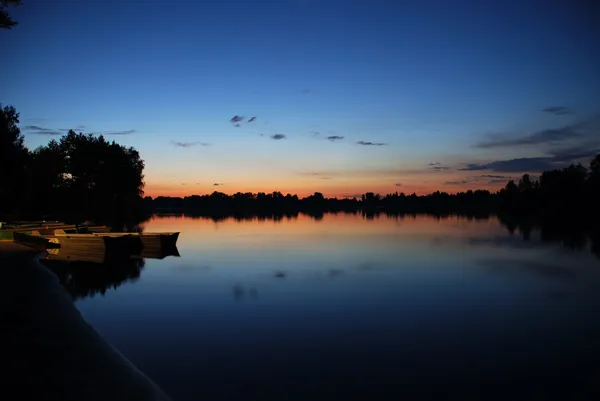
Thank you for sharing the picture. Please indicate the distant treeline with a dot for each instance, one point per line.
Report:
(571, 190)
(78, 177)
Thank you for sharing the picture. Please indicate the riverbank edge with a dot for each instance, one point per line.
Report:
(53, 352)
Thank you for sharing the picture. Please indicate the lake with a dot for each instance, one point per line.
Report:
(344, 306)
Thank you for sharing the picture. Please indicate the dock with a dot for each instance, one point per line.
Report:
(92, 244)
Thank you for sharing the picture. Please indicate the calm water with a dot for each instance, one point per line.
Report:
(346, 307)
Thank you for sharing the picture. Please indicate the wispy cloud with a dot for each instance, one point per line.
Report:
(558, 110)
(439, 168)
(38, 130)
(547, 136)
(252, 119)
(435, 164)
(398, 184)
(315, 133)
(316, 173)
(456, 182)
(218, 184)
(278, 136)
(334, 138)
(494, 176)
(126, 132)
(236, 119)
(368, 143)
(497, 181)
(306, 91)
(559, 158)
(78, 128)
(188, 144)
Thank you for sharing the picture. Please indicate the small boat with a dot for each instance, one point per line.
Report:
(121, 242)
(33, 239)
(159, 241)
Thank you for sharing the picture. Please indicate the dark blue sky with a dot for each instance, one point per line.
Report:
(462, 84)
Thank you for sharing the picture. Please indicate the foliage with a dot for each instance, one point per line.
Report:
(6, 21)
(13, 159)
(80, 176)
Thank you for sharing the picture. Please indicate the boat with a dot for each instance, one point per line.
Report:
(33, 239)
(149, 240)
(114, 242)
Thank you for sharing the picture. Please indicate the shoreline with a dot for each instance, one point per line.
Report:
(53, 353)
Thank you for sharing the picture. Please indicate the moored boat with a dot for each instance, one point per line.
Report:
(149, 240)
(123, 242)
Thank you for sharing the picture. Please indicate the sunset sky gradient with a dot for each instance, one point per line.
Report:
(349, 96)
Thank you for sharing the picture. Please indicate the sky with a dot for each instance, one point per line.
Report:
(299, 96)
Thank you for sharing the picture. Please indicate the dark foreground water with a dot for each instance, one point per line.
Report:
(352, 308)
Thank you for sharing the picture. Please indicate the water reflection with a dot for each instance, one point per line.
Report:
(573, 234)
(87, 274)
(84, 279)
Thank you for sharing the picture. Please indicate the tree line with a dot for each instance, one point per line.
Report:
(567, 191)
(79, 177)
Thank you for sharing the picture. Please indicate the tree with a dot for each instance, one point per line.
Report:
(13, 160)
(6, 21)
(99, 175)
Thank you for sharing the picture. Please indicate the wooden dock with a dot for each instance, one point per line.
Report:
(99, 246)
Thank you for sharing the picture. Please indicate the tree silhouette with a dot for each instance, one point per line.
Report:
(77, 177)
(6, 21)
(98, 175)
(13, 161)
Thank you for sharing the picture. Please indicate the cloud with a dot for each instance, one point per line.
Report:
(183, 183)
(334, 138)
(496, 181)
(456, 182)
(306, 91)
(126, 132)
(494, 176)
(435, 164)
(77, 128)
(236, 119)
(278, 136)
(315, 133)
(398, 184)
(38, 130)
(537, 138)
(218, 184)
(439, 168)
(558, 110)
(252, 119)
(188, 144)
(367, 143)
(316, 173)
(559, 158)
(237, 125)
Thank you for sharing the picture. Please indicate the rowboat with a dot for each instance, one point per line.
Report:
(33, 239)
(156, 241)
(121, 242)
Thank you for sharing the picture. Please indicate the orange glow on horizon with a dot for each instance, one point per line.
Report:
(155, 190)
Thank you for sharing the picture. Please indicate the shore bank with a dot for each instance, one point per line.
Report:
(52, 352)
